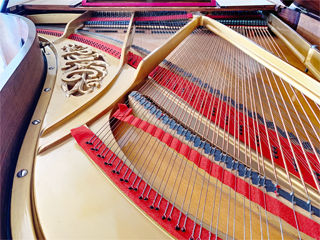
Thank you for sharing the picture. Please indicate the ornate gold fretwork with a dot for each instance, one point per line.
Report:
(83, 69)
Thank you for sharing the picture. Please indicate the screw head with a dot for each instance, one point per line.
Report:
(36, 122)
(22, 173)
(47, 89)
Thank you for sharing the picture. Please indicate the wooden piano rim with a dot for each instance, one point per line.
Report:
(31, 225)
(17, 100)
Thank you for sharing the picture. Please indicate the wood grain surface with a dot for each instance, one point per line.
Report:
(17, 100)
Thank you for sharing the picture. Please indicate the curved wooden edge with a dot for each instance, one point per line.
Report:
(22, 81)
(24, 222)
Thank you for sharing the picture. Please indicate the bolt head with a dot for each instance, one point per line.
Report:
(22, 173)
(36, 122)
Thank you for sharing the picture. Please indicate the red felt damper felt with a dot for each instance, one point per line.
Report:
(238, 184)
(145, 18)
(82, 135)
(204, 102)
(235, 116)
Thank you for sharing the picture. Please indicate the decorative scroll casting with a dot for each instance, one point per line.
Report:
(83, 69)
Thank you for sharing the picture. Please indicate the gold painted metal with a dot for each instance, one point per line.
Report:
(156, 57)
(53, 18)
(62, 190)
(87, 206)
(73, 105)
(296, 78)
(306, 53)
(23, 223)
(83, 69)
(73, 25)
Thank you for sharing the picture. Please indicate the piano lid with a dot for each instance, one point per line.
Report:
(152, 3)
(142, 5)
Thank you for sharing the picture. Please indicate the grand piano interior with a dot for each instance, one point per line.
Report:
(195, 119)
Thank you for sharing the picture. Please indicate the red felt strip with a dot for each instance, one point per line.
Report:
(194, 157)
(184, 150)
(205, 164)
(158, 133)
(109, 19)
(167, 138)
(50, 32)
(129, 118)
(241, 119)
(144, 125)
(243, 187)
(151, 129)
(106, 47)
(82, 135)
(175, 144)
(147, 18)
(134, 60)
(249, 191)
(229, 179)
(136, 122)
(251, 16)
(123, 111)
(216, 171)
